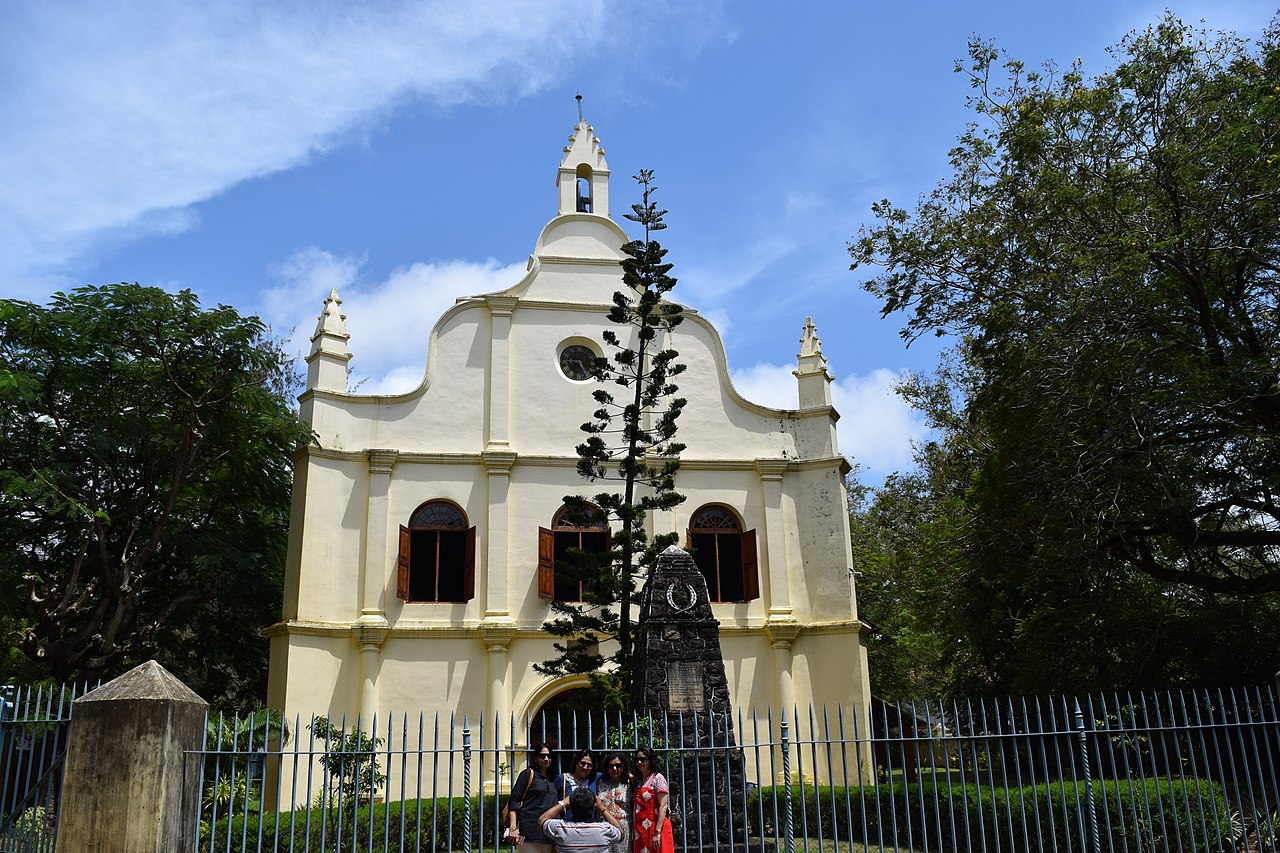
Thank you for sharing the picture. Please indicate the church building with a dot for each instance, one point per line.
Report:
(425, 525)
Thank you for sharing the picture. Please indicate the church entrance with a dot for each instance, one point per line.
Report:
(568, 723)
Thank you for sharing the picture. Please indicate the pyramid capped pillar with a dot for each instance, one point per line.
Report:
(583, 178)
(811, 370)
(327, 363)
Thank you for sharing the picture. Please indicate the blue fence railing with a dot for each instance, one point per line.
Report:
(1170, 771)
(33, 742)
(1181, 771)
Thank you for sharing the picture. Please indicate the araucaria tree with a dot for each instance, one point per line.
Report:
(145, 447)
(1107, 255)
(631, 441)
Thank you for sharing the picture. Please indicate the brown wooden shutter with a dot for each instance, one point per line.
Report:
(750, 567)
(402, 565)
(546, 564)
(469, 567)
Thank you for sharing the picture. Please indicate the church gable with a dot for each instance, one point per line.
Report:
(427, 524)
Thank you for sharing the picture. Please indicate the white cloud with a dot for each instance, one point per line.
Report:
(767, 384)
(389, 321)
(711, 279)
(116, 117)
(876, 427)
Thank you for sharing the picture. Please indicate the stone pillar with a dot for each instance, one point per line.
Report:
(369, 637)
(491, 583)
(782, 634)
(497, 643)
(497, 422)
(371, 627)
(127, 786)
(774, 546)
(374, 572)
(497, 464)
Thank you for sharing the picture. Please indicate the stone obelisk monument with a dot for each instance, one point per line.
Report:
(679, 671)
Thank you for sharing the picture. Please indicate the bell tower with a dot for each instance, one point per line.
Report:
(583, 178)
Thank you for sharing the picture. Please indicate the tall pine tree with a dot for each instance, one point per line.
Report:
(630, 441)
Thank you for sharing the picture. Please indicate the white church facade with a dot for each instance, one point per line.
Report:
(425, 525)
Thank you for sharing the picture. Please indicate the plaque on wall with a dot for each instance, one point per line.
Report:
(685, 687)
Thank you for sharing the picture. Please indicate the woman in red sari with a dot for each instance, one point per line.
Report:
(651, 830)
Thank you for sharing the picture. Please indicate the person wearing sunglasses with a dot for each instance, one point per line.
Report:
(582, 773)
(650, 827)
(531, 795)
(614, 791)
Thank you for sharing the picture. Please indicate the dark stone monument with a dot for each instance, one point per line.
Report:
(679, 675)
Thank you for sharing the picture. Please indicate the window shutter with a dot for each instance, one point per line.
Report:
(402, 565)
(750, 567)
(546, 564)
(469, 567)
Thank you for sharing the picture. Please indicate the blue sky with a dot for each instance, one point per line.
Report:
(405, 152)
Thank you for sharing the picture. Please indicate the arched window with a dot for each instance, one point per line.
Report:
(571, 527)
(437, 560)
(583, 188)
(725, 554)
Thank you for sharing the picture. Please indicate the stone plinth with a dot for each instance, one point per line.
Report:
(127, 787)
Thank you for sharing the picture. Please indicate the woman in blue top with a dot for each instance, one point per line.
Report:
(582, 772)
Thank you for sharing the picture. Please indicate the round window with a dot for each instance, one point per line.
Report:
(576, 362)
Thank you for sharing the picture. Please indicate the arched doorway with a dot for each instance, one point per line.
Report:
(568, 722)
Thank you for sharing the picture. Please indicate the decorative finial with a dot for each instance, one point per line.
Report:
(810, 358)
(809, 343)
(332, 321)
(578, 98)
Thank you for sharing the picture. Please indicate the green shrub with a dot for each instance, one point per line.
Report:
(1159, 814)
(426, 826)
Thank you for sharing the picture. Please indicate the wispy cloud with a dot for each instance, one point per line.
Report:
(115, 118)
(876, 427)
(389, 320)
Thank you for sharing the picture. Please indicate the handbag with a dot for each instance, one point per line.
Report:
(528, 782)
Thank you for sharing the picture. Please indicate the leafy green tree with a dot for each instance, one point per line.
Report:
(145, 448)
(631, 441)
(959, 606)
(1107, 252)
(1099, 507)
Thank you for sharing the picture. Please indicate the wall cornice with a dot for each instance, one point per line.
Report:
(544, 461)
(476, 629)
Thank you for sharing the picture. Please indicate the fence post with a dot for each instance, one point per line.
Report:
(127, 783)
(466, 785)
(1088, 781)
(788, 830)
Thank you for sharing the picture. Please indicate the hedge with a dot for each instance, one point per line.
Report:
(421, 819)
(1152, 814)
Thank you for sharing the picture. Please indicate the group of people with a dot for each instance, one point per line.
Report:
(588, 810)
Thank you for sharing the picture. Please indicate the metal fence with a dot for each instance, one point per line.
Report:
(1152, 772)
(1179, 771)
(33, 743)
